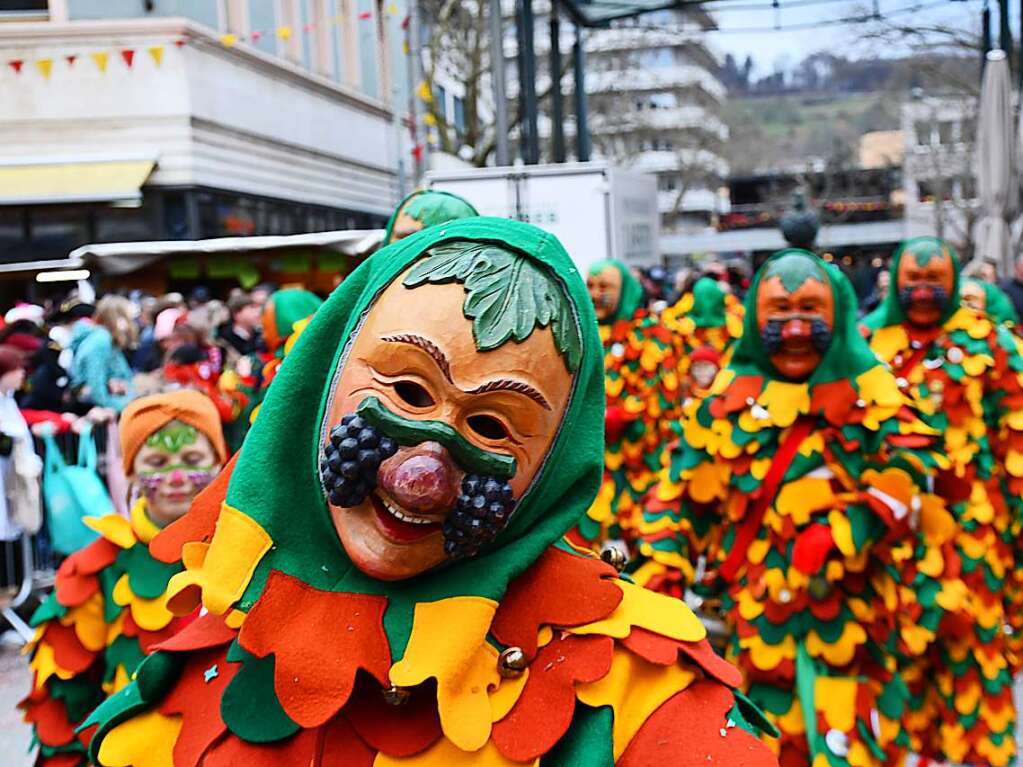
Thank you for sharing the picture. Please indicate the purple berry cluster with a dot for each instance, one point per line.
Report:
(481, 513)
(350, 461)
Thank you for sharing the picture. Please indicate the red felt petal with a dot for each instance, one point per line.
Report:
(67, 650)
(341, 746)
(319, 640)
(76, 577)
(735, 396)
(198, 703)
(64, 759)
(198, 524)
(398, 731)
(811, 548)
(560, 589)
(52, 726)
(230, 751)
(204, 632)
(543, 712)
(149, 639)
(834, 399)
(686, 732)
(664, 652)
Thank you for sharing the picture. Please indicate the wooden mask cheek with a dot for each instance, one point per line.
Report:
(605, 288)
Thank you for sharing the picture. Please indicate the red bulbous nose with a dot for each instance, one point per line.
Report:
(795, 329)
(922, 293)
(422, 478)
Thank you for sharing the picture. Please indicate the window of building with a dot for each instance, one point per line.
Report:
(57, 230)
(440, 100)
(459, 116)
(322, 38)
(968, 130)
(663, 101)
(349, 38)
(24, 6)
(13, 233)
(368, 50)
(290, 44)
(946, 132)
(668, 183)
(235, 15)
(922, 130)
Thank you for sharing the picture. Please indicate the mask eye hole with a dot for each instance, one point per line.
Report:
(487, 426)
(413, 394)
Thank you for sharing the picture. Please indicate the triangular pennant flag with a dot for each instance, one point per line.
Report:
(423, 91)
(228, 40)
(429, 119)
(284, 32)
(254, 36)
(156, 52)
(45, 67)
(392, 9)
(366, 15)
(16, 65)
(405, 21)
(128, 54)
(307, 28)
(71, 59)
(101, 58)
(180, 43)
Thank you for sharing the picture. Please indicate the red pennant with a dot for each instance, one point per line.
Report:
(16, 65)
(366, 15)
(405, 22)
(307, 27)
(71, 59)
(128, 54)
(417, 152)
(254, 37)
(179, 43)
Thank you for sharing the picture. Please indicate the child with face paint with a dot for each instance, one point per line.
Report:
(961, 370)
(106, 611)
(641, 395)
(794, 478)
(385, 576)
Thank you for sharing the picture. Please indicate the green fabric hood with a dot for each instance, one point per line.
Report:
(998, 305)
(890, 312)
(708, 304)
(291, 305)
(431, 207)
(276, 479)
(631, 297)
(848, 356)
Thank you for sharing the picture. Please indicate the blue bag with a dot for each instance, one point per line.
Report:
(71, 493)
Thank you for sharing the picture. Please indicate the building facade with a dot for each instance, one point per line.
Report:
(186, 119)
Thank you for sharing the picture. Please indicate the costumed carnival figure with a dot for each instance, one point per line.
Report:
(703, 319)
(962, 371)
(987, 298)
(791, 478)
(642, 397)
(425, 208)
(106, 611)
(385, 580)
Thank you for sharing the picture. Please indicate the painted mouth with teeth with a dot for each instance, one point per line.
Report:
(400, 525)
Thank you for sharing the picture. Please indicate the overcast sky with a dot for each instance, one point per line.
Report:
(768, 47)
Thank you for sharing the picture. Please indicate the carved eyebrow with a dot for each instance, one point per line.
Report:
(427, 346)
(501, 384)
(505, 384)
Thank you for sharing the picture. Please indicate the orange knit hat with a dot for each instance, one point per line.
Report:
(147, 415)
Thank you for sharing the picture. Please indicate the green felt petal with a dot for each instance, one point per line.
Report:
(108, 578)
(124, 651)
(49, 610)
(249, 706)
(79, 694)
(147, 577)
(751, 717)
(588, 740)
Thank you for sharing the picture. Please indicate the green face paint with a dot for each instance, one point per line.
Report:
(410, 432)
(173, 437)
(794, 270)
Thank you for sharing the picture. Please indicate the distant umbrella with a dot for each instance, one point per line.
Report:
(997, 182)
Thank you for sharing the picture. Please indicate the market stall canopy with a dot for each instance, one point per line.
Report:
(597, 13)
(110, 180)
(126, 257)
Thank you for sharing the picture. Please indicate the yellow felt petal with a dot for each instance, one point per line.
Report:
(444, 753)
(114, 528)
(44, 665)
(878, 385)
(784, 401)
(649, 610)
(505, 696)
(634, 688)
(448, 643)
(888, 341)
(767, 657)
(841, 652)
(87, 621)
(1014, 463)
(841, 532)
(149, 614)
(223, 573)
(800, 498)
(837, 700)
(143, 741)
(144, 528)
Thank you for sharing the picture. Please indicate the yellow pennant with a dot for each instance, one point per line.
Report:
(284, 33)
(228, 40)
(101, 60)
(392, 9)
(157, 53)
(45, 67)
(429, 119)
(423, 92)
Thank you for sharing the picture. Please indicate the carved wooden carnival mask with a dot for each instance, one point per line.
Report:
(924, 281)
(605, 289)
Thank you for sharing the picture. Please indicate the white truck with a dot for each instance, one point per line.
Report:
(598, 211)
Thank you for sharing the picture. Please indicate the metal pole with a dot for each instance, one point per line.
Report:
(1004, 30)
(582, 130)
(497, 72)
(557, 105)
(416, 77)
(985, 36)
(520, 72)
(528, 84)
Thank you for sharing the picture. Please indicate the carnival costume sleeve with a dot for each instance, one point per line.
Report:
(528, 653)
(795, 494)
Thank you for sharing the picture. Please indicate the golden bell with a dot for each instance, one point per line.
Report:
(511, 662)
(615, 557)
(396, 696)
